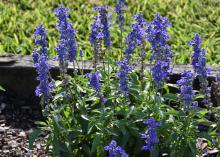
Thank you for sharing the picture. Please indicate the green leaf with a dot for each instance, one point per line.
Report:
(85, 117)
(58, 96)
(199, 96)
(172, 85)
(96, 142)
(33, 136)
(171, 97)
(58, 83)
(41, 123)
(2, 89)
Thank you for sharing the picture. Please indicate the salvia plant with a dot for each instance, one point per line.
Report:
(118, 109)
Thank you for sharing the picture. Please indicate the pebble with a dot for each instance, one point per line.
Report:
(16, 123)
(6, 151)
(22, 134)
(3, 105)
(13, 144)
(2, 130)
(38, 146)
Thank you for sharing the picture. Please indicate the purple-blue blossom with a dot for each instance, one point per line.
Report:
(67, 32)
(35, 56)
(94, 80)
(199, 66)
(137, 36)
(119, 9)
(114, 150)
(158, 72)
(44, 88)
(186, 89)
(161, 53)
(124, 70)
(40, 39)
(61, 52)
(150, 134)
(196, 43)
(96, 34)
(40, 63)
(104, 19)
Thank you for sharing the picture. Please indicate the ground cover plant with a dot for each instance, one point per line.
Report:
(186, 16)
(115, 110)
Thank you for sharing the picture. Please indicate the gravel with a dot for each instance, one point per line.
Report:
(17, 119)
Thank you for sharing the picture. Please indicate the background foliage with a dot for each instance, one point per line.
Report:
(18, 17)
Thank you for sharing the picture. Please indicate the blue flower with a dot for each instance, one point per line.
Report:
(61, 51)
(137, 36)
(40, 39)
(196, 43)
(158, 72)
(96, 34)
(157, 36)
(186, 89)
(119, 9)
(35, 56)
(40, 62)
(44, 88)
(94, 80)
(104, 24)
(199, 66)
(125, 69)
(114, 150)
(150, 135)
(67, 32)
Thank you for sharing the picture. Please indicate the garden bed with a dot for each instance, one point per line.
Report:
(20, 108)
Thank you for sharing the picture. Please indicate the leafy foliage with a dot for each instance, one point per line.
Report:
(80, 123)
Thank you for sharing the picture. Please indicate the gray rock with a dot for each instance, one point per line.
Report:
(22, 134)
(6, 151)
(2, 130)
(2, 107)
(13, 144)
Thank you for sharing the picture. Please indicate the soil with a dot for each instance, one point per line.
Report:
(17, 117)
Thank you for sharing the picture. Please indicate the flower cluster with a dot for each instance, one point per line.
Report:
(119, 9)
(96, 31)
(114, 150)
(125, 69)
(61, 51)
(40, 39)
(157, 36)
(150, 135)
(35, 56)
(45, 86)
(158, 72)
(67, 32)
(96, 36)
(187, 92)
(94, 80)
(137, 36)
(40, 62)
(199, 65)
(104, 19)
